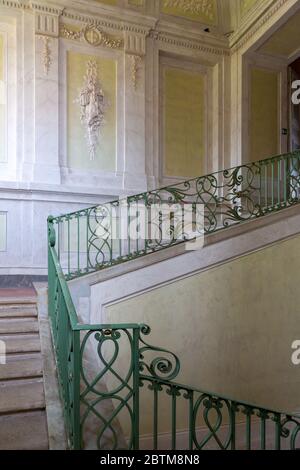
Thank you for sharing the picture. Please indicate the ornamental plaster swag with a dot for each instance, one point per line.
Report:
(92, 34)
(92, 107)
(46, 54)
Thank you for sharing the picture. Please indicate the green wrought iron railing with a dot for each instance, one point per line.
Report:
(111, 233)
(118, 392)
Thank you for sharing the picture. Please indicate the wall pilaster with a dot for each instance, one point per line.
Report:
(46, 94)
(135, 100)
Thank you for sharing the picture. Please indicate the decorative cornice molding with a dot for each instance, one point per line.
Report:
(46, 8)
(131, 27)
(14, 4)
(239, 39)
(254, 20)
(187, 43)
(119, 25)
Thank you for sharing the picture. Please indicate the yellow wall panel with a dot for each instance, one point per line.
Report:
(184, 122)
(264, 114)
(204, 11)
(2, 104)
(78, 155)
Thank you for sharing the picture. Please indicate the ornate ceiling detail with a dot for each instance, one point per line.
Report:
(92, 106)
(92, 34)
(204, 9)
(198, 10)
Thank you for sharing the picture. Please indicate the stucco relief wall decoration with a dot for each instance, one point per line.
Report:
(136, 61)
(93, 105)
(46, 54)
(92, 34)
(205, 10)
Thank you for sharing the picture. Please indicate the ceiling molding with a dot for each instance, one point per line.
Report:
(187, 43)
(128, 20)
(14, 4)
(254, 21)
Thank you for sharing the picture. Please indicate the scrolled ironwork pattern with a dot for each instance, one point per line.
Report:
(164, 365)
(290, 430)
(102, 370)
(214, 422)
(106, 392)
(95, 238)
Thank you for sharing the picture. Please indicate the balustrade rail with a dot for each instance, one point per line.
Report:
(111, 233)
(118, 392)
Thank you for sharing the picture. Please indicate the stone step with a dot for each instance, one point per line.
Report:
(29, 301)
(16, 311)
(20, 325)
(21, 395)
(22, 366)
(24, 431)
(21, 343)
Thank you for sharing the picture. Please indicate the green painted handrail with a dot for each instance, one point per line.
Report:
(102, 399)
(86, 241)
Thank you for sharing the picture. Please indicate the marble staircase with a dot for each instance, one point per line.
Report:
(23, 423)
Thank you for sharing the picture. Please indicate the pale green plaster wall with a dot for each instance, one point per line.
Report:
(232, 328)
(78, 156)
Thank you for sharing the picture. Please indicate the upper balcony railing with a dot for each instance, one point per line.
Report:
(118, 231)
(131, 392)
